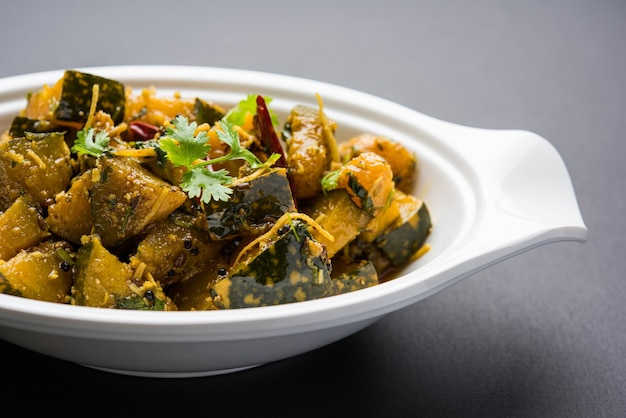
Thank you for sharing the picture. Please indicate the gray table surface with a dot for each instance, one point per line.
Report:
(542, 334)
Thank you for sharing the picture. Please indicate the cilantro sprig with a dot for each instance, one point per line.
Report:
(184, 148)
(91, 142)
(181, 144)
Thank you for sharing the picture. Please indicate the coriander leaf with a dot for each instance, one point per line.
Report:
(182, 147)
(229, 136)
(90, 142)
(181, 144)
(206, 184)
(237, 114)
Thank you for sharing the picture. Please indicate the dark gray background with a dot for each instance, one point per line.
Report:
(542, 334)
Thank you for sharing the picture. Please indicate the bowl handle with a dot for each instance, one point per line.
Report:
(526, 192)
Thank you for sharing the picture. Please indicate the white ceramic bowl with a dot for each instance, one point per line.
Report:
(492, 194)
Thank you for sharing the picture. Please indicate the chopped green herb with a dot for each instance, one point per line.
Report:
(184, 148)
(182, 145)
(229, 136)
(206, 184)
(237, 115)
(91, 142)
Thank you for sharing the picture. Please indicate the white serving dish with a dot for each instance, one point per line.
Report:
(492, 194)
